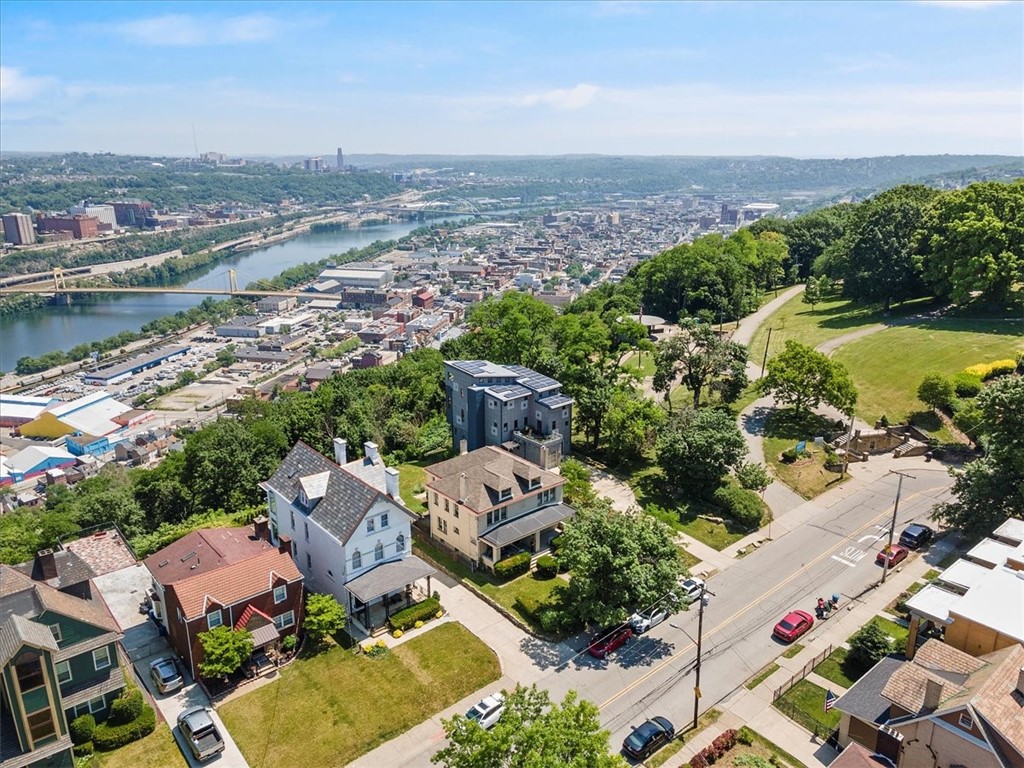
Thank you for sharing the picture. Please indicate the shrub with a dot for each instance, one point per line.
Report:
(126, 708)
(789, 456)
(967, 384)
(716, 750)
(422, 611)
(741, 505)
(417, 625)
(936, 391)
(882, 422)
(868, 646)
(289, 642)
(83, 750)
(745, 736)
(397, 634)
(439, 614)
(82, 729)
(513, 566)
(109, 736)
(556, 543)
(547, 566)
(986, 371)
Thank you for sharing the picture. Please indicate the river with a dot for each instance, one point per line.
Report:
(44, 330)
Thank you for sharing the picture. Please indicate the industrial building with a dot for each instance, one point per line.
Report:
(359, 277)
(32, 462)
(16, 410)
(96, 414)
(116, 373)
(18, 229)
(103, 213)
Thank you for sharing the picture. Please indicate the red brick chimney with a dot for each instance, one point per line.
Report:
(47, 563)
(261, 528)
(285, 544)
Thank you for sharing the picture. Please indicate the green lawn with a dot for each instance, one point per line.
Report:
(761, 676)
(893, 630)
(158, 749)
(331, 707)
(832, 668)
(688, 560)
(410, 478)
(805, 703)
(792, 651)
(640, 362)
(783, 429)
(888, 366)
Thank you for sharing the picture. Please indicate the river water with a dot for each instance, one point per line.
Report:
(44, 330)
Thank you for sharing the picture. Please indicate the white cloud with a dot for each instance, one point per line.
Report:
(973, 5)
(15, 85)
(560, 98)
(184, 30)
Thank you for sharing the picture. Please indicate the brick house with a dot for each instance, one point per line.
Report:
(225, 576)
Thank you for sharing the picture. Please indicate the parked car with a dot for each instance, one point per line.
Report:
(793, 624)
(916, 535)
(200, 733)
(896, 556)
(487, 711)
(690, 590)
(648, 737)
(165, 675)
(645, 620)
(609, 639)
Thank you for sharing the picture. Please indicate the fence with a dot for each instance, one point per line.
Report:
(826, 733)
(810, 665)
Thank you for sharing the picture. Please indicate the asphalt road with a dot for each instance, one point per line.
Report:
(820, 550)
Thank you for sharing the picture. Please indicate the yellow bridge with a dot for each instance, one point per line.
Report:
(59, 286)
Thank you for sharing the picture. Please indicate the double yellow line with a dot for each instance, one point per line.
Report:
(747, 607)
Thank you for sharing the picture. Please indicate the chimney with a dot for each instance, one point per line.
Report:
(47, 563)
(371, 452)
(463, 487)
(340, 451)
(932, 694)
(285, 545)
(261, 528)
(391, 482)
(463, 447)
(1020, 681)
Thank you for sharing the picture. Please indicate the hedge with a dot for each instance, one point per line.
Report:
(108, 737)
(126, 708)
(422, 611)
(987, 371)
(741, 505)
(513, 566)
(82, 728)
(547, 566)
(967, 384)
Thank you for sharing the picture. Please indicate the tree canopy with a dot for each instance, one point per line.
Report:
(803, 378)
(696, 449)
(703, 359)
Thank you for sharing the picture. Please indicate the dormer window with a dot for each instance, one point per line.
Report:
(506, 493)
(966, 721)
(534, 482)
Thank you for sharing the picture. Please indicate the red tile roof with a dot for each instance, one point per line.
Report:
(204, 551)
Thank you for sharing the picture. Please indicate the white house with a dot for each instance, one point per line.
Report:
(349, 531)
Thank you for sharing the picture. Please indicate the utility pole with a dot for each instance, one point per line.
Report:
(846, 449)
(767, 344)
(700, 631)
(892, 527)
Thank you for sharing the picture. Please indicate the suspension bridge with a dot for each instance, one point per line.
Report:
(59, 286)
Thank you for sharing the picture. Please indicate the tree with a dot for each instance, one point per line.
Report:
(532, 733)
(224, 651)
(753, 477)
(936, 391)
(512, 329)
(988, 491)
(703, 359)
(812, 292)
(868, 646)
(619, 562)
(324, 616)
(803, 378)
(697, 448)
(578, 490)
(632, 422)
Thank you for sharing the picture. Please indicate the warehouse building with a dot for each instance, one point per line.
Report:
(116, 373)
(16, 410)
(96, 414)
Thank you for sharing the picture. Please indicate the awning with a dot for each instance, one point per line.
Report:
(265, 635)
(389, 577)
(527, 525)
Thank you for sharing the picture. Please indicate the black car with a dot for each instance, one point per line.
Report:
(915, 536)
(648, 737)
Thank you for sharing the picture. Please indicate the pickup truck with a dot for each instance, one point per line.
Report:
(200, 732)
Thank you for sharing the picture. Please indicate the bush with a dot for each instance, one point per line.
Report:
(868, 646)
(82, 729)
(967, 384)
(936, 391)
(745, 736)
(422, 611)
(789, 456)
(289, 643)
(513, 566)
(547, 566)
(83, 750)
(716, 750)
(126, 707)
(109, 736)
(741, 505)
(397, 634)
(556, 543)
(986, 371)
(417, 625)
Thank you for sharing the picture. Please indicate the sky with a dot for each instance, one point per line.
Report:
(829, 79)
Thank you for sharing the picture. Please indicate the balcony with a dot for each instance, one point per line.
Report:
(543, 450)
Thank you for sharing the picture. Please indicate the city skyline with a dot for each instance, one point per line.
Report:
(803, 80)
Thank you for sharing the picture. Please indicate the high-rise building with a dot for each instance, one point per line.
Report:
(314, 164)
(341, 159)
(18, 229)
(105, 213)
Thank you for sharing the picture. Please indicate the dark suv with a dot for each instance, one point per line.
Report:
(915, 536)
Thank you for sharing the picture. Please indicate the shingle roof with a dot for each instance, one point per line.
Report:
(233, 583)
(346, 499)
(991, 692)
(908, 684)
(205, 551)
(71, 569)
(19, 595)
(864, 700)
(486, 469)
(18, 631)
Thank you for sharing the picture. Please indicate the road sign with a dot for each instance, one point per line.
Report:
(801, 446)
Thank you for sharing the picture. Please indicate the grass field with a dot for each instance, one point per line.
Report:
(888, 366)
(334, 706)
(805, 703)
(795, 320)
(641, 363)
(783, 430)
(159, 748)
(832, 668)
(411, 477)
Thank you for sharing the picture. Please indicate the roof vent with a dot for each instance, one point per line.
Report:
(162, 563)
(188, 556)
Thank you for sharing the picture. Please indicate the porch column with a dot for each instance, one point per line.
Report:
(387, 607)
(536, 542)
(429, 592)
(915, 625)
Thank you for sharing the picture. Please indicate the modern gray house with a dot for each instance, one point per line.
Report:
(509, 406)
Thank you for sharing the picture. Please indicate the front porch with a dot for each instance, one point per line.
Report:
(385, 590)
(530, 533)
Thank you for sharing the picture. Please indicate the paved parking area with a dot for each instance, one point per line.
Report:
(122, 591)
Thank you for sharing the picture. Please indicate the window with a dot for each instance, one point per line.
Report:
(214, 619)
(435, 497)
(384, 518)
(40, 725)
(285, 620)
(456, 512)
(504, 427)
(455, 531)
(63, 672)
(400, 543)
(280, 594)
(371, 525)
(446, 507)
(55, 631)
(565, 412)
(309, 561)
(535, 482)
(442, 526)
(506, 493)
(101, 656)
(378, 551)
(293, 518)
(503, 513)
(30, 672)
(540, 499)
(490, 404)
(357, 560)
(966, 721)
(306, 524)
(523, 406)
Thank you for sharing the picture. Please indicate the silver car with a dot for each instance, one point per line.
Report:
(165, 674)
(488, 711)
(645, 620)
(690, 589)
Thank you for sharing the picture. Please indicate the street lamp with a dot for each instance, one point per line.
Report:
(705, 598)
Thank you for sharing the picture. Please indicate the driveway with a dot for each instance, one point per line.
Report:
(122, 591)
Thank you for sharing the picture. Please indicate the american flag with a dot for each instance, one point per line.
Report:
(830, 700)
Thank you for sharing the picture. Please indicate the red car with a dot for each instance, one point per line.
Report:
(608, 640)
(898, 555)
(793, 625)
